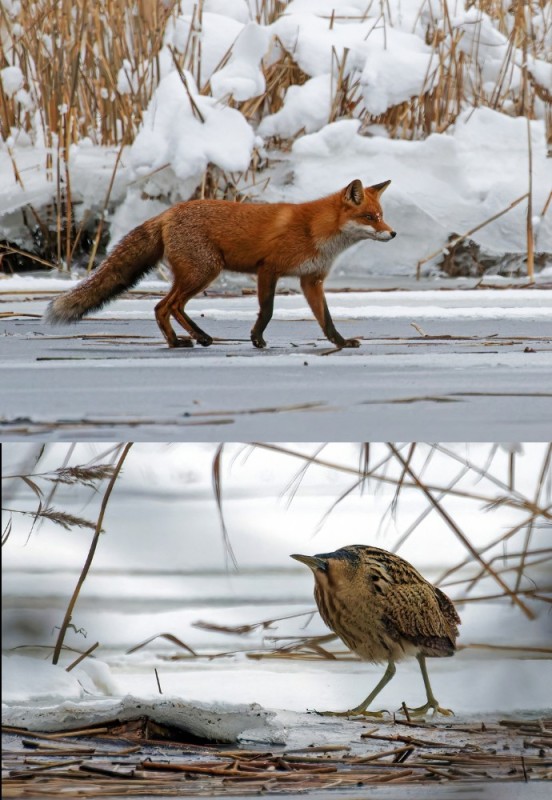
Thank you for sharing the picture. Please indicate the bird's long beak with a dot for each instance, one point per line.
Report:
(314, 562)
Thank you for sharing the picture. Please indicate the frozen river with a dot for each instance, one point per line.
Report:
(433, 365)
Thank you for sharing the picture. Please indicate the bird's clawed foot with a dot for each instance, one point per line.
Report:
(353, 712)
(433, 705)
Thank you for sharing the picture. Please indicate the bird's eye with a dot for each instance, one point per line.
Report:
(375, 577)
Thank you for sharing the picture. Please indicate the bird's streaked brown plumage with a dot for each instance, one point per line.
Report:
(383, 610)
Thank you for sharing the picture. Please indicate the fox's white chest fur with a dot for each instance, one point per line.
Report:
(327, 253)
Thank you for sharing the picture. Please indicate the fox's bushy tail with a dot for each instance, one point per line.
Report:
(137, 253)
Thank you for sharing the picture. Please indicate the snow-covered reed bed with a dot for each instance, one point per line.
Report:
(131, 106)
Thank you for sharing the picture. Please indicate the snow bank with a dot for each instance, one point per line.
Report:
(41, 697)
(182, 133)
(29, 680)
(441, 185)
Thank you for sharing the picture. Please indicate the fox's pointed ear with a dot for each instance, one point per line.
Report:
(379, 188)
(354, 193)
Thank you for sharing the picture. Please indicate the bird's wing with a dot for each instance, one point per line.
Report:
(447, 607)
(413, 612)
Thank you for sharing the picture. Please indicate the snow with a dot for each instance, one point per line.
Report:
(306, 106)
(517, 686)
(242, 77)
(30, 680)
(40, 696)
(391, 77)
(218, 32)
(445, 183)
(235, 9)
(425, 303)
(12, 79)
(186, 131)
(434, 181)
(101, 378)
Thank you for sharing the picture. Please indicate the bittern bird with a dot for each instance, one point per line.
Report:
(383, 610)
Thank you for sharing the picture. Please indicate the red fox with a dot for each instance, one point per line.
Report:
(200, 238)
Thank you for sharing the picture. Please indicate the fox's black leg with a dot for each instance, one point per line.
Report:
(163, 317)
(189, 325)
(266, 287)
(313, 289)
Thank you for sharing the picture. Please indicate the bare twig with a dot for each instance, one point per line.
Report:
(90, 556)
(463, 538)
(217, 487)
(84, 655)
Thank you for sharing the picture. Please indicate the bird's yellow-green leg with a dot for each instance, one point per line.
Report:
(362, 708)
(431, 701)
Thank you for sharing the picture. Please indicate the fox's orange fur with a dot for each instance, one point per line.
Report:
(200, 238)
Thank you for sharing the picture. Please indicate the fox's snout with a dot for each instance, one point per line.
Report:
(380, 230)
(385, 236)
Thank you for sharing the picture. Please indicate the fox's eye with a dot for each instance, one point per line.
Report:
(371, 217)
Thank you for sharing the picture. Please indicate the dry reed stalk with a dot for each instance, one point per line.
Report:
(217, 488)
(71, 54)
(9, 249)
(99, 229)
(90, 557)
(267, 11)
(168, 636)
(280, 72)
(511, 497)
(503, 538)
(545, 471)
(344, 469)
(250, 772)
(461, 536)
(82, 656)
(76, 58)
(504, 557)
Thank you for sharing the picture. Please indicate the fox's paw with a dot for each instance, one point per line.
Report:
(205, 340)
(351, 343)
(258, 342)
(181, 341)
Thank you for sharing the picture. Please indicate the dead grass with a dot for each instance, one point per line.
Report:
(146, 757)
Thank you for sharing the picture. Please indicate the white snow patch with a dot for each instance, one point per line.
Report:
(12, 79)
(42, 697)
(216, 34)
(306, 106)
(242, 77)
(187, 131)
(30, 680)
